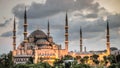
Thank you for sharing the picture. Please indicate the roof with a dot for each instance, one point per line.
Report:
(42, 41)
(38, 34)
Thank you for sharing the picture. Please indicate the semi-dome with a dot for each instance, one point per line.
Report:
(38, 34)
(42, 41)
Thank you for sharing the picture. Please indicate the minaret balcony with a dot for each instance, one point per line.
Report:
(66, 41)
(14, 30)
(66, 34)
(14, 37)
(108, 36)
(66, 27)
(25, 33)
(25, 24)
(108, 43)
(14, 43)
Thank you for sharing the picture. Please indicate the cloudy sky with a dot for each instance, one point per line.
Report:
(91, 15)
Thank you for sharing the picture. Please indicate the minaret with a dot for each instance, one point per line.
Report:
(14, 35)
(80, 40)
(66, 33)
(84, 49)
(25, 26)
(48, 29)
(108, 39)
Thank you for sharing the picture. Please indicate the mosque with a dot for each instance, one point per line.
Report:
(41, 47)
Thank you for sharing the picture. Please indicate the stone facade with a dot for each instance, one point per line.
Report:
(40, 47)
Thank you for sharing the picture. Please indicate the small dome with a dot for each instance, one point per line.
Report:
(42, 41)
(38, 34)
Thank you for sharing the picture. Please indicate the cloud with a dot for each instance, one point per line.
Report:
(91, 16)
(52, 7)
(114, 20)
(5, 23)
(6, 27)
(93, 31)
(7, 34)
(110, 5)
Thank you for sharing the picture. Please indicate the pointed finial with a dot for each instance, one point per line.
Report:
(85, 49)
(66, 19)
(25, 13)
(48, 26)
(14, 23)
(48, 29)
(107, 27)
(80, 31)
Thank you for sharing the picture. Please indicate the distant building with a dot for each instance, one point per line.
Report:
(115, 52)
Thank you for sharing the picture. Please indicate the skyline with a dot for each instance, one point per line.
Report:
(90, 15)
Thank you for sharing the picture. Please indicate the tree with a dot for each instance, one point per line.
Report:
(6, 60)
(86, 58)
(81, 66)
(30, 60)
(114, 65)
(105, 60)
(67, 65)
(82, 60)
(21, 66)
(111, 59)
(118, 58)
(43, 65)
(10, 60)
(1, 63)
(67, 57)
(95, 56)
(78, 57)
(95, 59)
(58, 63)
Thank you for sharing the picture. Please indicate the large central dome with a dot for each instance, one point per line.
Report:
(38, 34)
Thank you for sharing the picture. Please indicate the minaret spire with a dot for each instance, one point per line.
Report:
(25, 25)
(108, 39)
(66, 33)
(48, 29)
(84, 49)
(80, 39)
(14, 35)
